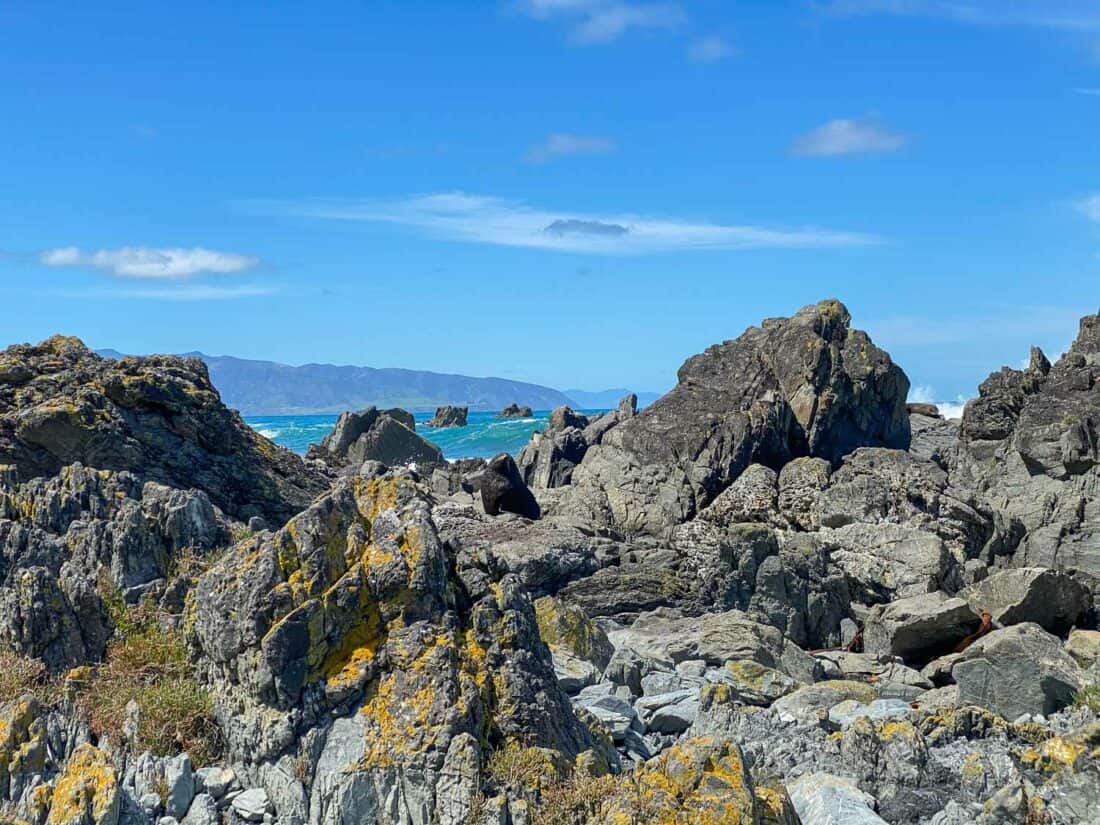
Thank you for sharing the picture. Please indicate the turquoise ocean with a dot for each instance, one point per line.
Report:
(483, 437)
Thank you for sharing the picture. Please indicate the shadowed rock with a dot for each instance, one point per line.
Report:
(373, 435)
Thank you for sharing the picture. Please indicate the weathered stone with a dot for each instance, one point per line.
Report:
(87, 792)
(1052, 600)
(251, 805)
(449, 417)
(1015, 671)
(373, 435)
(824, 799)
(919, 628)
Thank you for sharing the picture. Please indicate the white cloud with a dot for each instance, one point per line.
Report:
(1069, 15)
(1090, 207)
(563, 144)
(470, 218)
(604, 21)
(859, 136)
(152, 264)
(709, 49)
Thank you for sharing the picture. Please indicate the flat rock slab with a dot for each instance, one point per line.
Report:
(824, 799)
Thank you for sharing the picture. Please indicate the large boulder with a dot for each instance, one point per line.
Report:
(374, 435)
(1050, 599)
(1015, 671)
(919, 628)
(158, 417)
(805, 385)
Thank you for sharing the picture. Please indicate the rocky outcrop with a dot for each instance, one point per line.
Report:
(159, 418)
(514, 410)
(449, 417)
(502, 489)
(1029, 445)
(357, 643)
(372, 435)
(805, 385)
(68, 542)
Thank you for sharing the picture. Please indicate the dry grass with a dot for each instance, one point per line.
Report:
(20, 675)
(148, 665)
(1089, 697)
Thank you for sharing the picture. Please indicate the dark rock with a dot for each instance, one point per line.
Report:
(919, 628)
(805, 385)
(926, 410)
(157, 417)
(515, 411)
(449, 417)
(563, 417)
(404, 416)
(371, 435)
(503, 490)
(1052, 600)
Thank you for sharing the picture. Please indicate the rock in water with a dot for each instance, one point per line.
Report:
(371, 435)
(157, 417)
(805, 385)
(515, 411)
(449, 417)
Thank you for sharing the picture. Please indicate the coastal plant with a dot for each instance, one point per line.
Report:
(146, 690)
(20, 675)
(1089, 697)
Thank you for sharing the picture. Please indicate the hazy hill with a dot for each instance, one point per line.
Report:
(269, 388)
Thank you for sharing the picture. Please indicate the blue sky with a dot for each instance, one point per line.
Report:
(580, 193)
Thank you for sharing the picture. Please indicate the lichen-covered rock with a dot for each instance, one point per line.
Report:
(158, 417)
(355, 640)
(87, 792)
(63, 538)
(805, 385)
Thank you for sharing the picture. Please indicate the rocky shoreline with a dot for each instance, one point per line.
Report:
(779, 594)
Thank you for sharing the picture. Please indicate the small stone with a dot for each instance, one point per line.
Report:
(251, 805)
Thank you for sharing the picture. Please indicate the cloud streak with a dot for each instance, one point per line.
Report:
(1090, 207)
(468, 218)
(1066, 15)
(147, 263)
(564, 144)
(604, 21)
(176, 293)
(861, 136)
(709, 49)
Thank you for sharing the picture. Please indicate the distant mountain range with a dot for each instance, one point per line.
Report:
(270, 388)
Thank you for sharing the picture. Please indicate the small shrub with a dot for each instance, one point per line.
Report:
(20, 675)
(515, 766)
(578, 801)
(1089, 697)
(148, 665)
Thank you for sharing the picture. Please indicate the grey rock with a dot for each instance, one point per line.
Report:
(845, 713)
(373, 435)
(214, 781)
(919, 628)
(1015, 671)
(1053, 600)
(824, 799)
(252, 804)
(668, 712)
(179, 783)
(203, 811)
(449, 417)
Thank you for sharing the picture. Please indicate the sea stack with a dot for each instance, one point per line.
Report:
(449, 417)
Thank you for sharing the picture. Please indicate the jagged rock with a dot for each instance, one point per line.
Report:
(934, 439)
(158, 417)
(214, 781)
(924, 410)
(449, 417)
(801, 483)
(179, 785)
(503, 489)
(252, 805)
(562, 418)
(824, 799)
(61, 537)
(355, 640)
(753, 497)
(753, 683)
(514, 410)
(919, 628)
(807, 385)
(566, 627)
(373, 435)
(1053, 600)
(1015, 671)
(1029, 445)
(671, 712)
(887, 562)
(203, 811)
(1084, 647)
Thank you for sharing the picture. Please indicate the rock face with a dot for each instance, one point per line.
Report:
(373, 435)
(449, 417)
(157, 417)
(515, 411)
(354, 639)
(805, 385)
(1030, 445)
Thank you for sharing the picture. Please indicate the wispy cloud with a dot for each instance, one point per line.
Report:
(709, 49)
(604, 21)
(154, 264)
(859, 136)
(564, 144)
(480, 219)
(1090, 207)
(1069, 15)
(1089, 92)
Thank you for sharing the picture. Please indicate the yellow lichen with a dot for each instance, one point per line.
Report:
(87, 791)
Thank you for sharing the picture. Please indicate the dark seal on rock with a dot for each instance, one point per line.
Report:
(503, 490)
